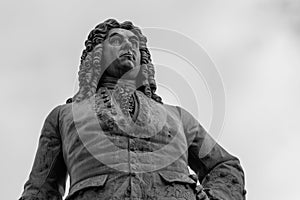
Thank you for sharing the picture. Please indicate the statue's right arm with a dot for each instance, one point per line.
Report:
(48, 174)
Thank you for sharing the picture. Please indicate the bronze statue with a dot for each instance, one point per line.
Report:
(116, 139)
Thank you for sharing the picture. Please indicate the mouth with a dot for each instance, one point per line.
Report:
(128, 55)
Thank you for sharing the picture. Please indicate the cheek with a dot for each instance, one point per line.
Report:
(110, 53)
(138, 60)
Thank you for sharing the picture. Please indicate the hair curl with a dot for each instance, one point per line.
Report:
(90, 65)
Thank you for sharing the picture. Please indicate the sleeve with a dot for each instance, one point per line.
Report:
(220, 174)
(48, 175)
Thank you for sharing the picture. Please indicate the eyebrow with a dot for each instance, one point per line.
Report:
(115, 33)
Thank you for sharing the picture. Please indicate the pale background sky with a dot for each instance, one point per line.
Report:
(254, 43)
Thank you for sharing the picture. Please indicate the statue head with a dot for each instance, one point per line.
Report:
(116, 49)
(121, 57)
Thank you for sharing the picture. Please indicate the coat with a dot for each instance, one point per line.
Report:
(109, 156)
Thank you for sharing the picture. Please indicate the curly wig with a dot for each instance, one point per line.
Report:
(90, 70)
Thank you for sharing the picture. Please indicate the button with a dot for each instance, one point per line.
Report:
(134, 167)
(133, 174)
(169, 134)
(133, 160)
(222, 174)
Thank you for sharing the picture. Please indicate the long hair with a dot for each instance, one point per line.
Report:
(90, 70)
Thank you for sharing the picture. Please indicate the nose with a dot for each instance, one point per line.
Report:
(127, 44)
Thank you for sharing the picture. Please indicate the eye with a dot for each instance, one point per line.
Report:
(115, 40)
(135, 43)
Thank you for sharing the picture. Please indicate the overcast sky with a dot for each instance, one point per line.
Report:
(255, 45)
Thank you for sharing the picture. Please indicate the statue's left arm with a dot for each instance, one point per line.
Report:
(220, 173)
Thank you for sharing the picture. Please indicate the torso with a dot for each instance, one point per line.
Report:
(139, 148)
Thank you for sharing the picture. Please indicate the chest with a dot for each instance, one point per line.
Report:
(93, 123)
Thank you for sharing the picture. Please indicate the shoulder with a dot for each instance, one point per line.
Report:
(58, 111)
(179, 111)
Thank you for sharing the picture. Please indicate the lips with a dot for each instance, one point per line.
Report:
(128, 55)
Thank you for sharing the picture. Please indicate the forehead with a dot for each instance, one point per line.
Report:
(121, 31)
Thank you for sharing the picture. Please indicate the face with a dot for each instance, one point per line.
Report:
(121, 55)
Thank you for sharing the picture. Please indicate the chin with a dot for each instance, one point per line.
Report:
(129, 75)
(128, 65)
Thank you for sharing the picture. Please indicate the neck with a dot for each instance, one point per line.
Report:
(111, 82)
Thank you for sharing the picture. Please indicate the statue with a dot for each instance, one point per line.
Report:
(116, 139)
